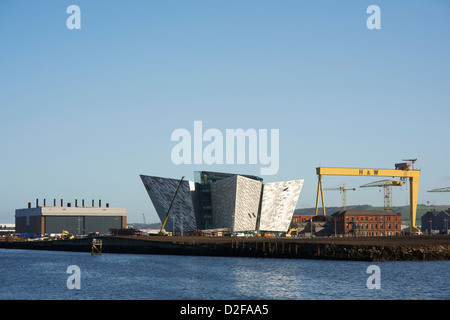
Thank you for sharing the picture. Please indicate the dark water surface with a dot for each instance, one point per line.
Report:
(27, 274)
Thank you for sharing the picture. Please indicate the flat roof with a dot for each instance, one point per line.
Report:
(71, 211)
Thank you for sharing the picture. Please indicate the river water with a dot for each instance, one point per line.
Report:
(31, 275)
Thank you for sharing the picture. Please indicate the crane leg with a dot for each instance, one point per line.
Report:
(320, 190)
(317, 197)
(323, 200)
(414, 192)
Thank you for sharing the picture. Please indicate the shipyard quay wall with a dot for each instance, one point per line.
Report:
(396, 248)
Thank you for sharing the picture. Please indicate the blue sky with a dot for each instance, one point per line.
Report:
(84, 112)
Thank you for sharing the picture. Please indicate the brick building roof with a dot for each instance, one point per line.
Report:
(367, 213)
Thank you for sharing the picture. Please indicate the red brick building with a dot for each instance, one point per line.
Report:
(366, 223)
(298, 218)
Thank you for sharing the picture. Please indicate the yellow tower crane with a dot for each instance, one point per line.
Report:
(402, 170)
(344, 190)
(387, 186)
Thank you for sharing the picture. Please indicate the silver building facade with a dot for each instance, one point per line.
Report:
(239, 203)
(278, 204)
(235, 203)
(162, 192)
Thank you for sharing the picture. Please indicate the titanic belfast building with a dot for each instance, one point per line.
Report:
(239, 203)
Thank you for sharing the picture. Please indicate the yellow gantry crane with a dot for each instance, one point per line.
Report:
(402, 170)
(387, 186)
(344, 190)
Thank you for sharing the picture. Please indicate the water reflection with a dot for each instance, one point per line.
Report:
(254, 278)
(42, 275)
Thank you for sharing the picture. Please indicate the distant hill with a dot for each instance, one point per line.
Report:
(141, 226)
(331, 210)
(404, 210)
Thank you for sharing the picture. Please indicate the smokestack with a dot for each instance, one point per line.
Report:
(76, 203)
(29, 205)
(54, 202)
(100, 203)
(62, 203)
(37, 203)
(82, 202)
(44, 202)
(92, 203)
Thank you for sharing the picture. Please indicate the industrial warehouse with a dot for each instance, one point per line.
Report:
(77, 220)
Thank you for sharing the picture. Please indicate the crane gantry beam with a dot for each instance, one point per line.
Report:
(413, 175)
(446, 189)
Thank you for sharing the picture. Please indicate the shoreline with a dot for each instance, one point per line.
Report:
(395, 248)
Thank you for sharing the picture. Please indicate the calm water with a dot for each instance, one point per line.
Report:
(43, 275)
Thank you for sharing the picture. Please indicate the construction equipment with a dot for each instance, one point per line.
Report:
(161, 231)
(445, 189)
(344, 190)
(413, 175)
(66, 235)
(291, 231)
(387, 186)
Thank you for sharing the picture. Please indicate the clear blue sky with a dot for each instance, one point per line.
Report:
(84, 112)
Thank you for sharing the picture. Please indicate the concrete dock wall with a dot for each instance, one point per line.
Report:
(359, 249)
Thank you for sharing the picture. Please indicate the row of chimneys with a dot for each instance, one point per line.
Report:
(68, 203)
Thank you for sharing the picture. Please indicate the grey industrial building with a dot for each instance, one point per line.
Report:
(77, 220)
(436, 222)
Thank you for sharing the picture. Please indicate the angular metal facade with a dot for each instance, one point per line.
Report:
(278, 205)
(223, 202)
(235, 203)
(162, 191)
